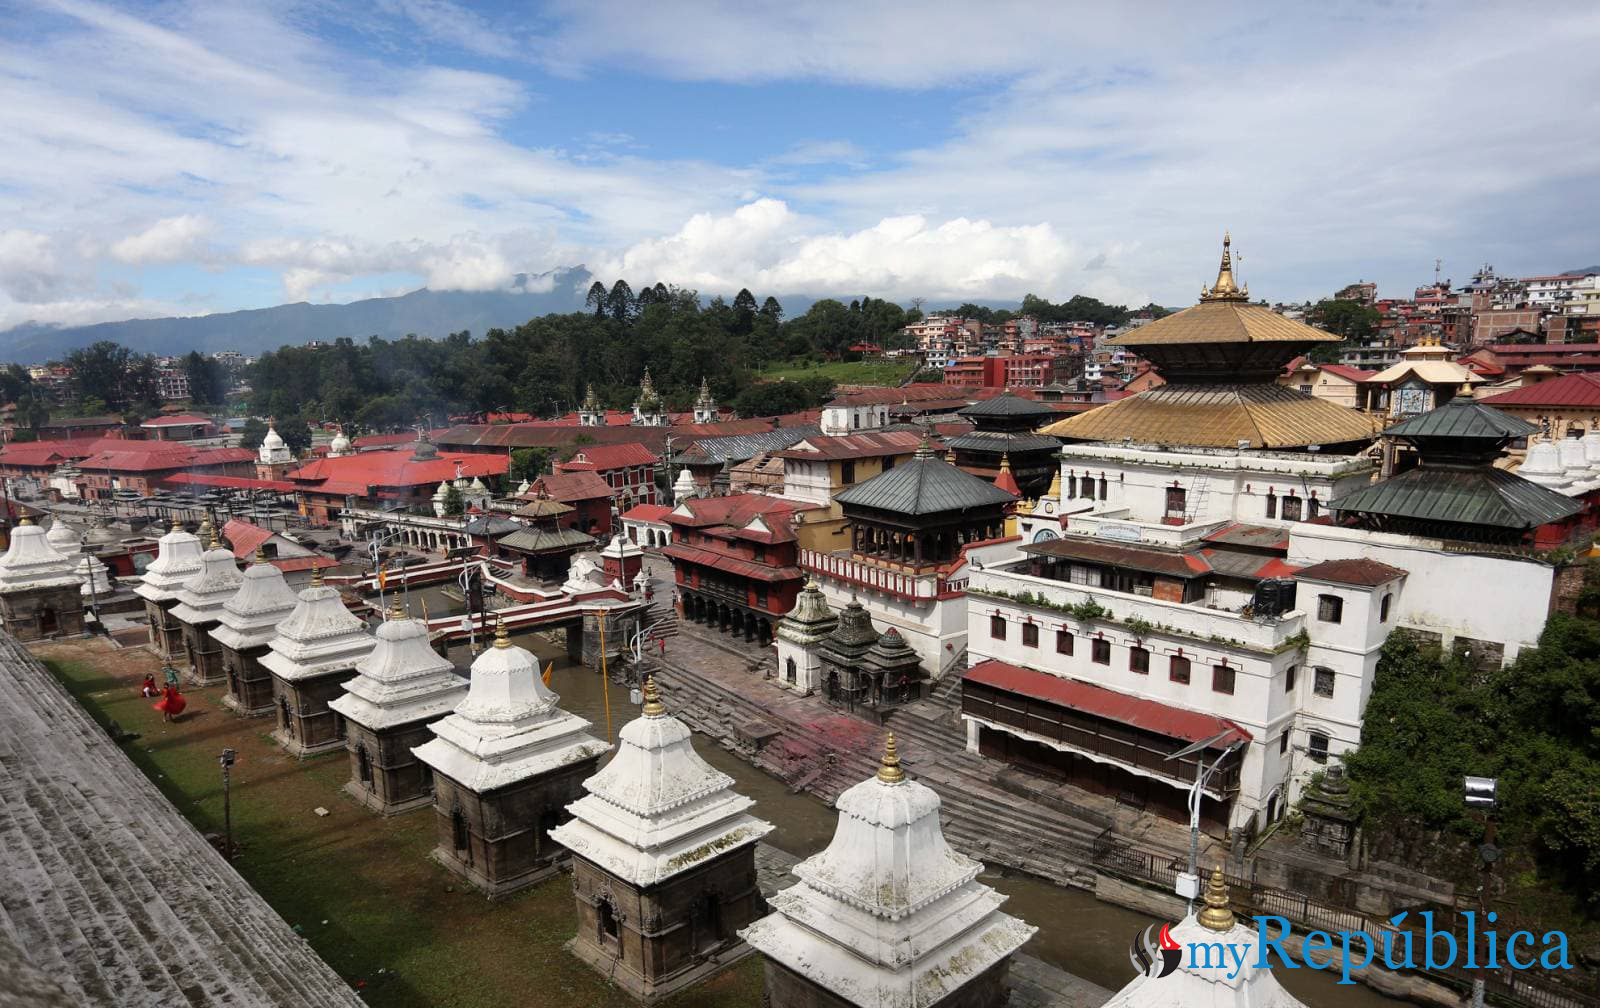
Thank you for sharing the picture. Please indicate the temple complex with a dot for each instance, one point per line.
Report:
(1004, 431)
(888, 914)
(545, 545)
(733, 559)
(506, 765)
(310, 658)
(40, 591)
(401, 687)
(1249, 984)
(178, 558)
(248, 621)
(799, 637)
(199, 609)
(663, 861)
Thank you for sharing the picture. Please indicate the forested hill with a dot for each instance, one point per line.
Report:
(427, 313)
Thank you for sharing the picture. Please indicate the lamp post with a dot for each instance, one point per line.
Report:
(226, 760)
(1481, 794)
(1189, 883)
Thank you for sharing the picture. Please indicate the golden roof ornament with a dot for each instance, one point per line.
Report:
(316, 576)
(1218, 912)
(395, 611)
(950, 456)
(1054, 493)
(890, 772)
(502, 639)
(1225, 289)
(652, 700)
(25, 520)
(177, 525)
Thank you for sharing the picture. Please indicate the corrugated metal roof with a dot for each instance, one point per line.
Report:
(717, 451)
(1000, 441)
(1220, 416)
(1581, 390)
(1463, 418)
(539, 541)
(1476, 495)
(1139, 558)
(1097, 701)
(923, 486)
(1006, 405)
(1221, 322)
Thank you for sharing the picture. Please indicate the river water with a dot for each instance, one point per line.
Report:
(1077, 932)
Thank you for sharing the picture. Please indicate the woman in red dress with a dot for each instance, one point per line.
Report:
(171, 703)
(149, 689)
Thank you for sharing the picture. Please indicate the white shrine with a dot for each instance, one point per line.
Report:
(401, 687)
(178, 558)
(663, 860)
(199, 608)
(248, 622)
(506, 764)
(888, 915)
(39, 589)
(314, 651)
(799, 636)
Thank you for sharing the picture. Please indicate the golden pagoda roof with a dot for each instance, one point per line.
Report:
(1219, 416)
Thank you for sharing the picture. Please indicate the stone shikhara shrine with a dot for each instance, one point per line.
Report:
(506, 765)
(199, 608)
(663, 861)
(248, 621)
(310, 658)
(888, 915)
(178, 558)
(400, 688)
(39, 590)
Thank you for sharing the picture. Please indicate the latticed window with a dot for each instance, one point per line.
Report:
(997, 627)
(1063, 642)
(1178, 670)
(1030, 635)
(1330, 608)
(1139, 660)
(1317, 747)
(1100, 651)
(1221, 679)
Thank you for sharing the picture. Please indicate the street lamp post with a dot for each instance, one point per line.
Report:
(226, 759)
(1188, 884)
(1481, 793)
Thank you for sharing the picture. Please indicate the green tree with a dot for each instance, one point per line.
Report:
(1351, 321)
(528, 463)
(619, 302)
(206, 383)
(255, 431)
(595, 300)
(453, 503)
(296, 433)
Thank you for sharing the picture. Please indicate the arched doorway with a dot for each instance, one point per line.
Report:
(48, 622)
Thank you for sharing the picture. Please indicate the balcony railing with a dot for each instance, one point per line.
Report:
(910, 586)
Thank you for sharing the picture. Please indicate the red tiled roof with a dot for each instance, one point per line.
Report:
(244, 537)
(181, 420)
(567, 487)
(1344, 371)
(1580, 390)
(1098, 701)
(734, 509)
(1357, 571)
(647, 513)
(154, 456)
(355, 474)
(600, 458)
(731, 564)
(232, 482)
(38, 453)
(854, 446)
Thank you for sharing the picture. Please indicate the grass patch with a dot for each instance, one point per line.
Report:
(871, 371)
(361, 889)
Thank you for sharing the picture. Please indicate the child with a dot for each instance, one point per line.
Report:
(149, 688)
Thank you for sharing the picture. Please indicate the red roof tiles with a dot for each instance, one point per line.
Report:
(356, 474)
(647, 513)
(601, 458)
(1358, 571)
(1581, 390)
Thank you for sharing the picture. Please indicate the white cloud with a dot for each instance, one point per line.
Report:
(28, 270)
(168, 240)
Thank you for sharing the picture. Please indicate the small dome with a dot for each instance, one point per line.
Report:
(272, 439)
(64, 537)
(477, 486)
(340, 445)
(1573, 458)
(443, 491)
(1543, 466)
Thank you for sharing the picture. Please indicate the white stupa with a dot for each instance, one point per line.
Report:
(401, 680)
(1591, 446)
(31, 562)
(202, 597)
(96, 576)
(1191, 985)
(888, 915)
(64, 539)
(273, 450)
(339, 447)
(320, 636)
(1543, 466)
(178, 558)
(250, 618)
(509, 728)
(657, 809)
(1575, 465)
(441, 497)
(684, 486)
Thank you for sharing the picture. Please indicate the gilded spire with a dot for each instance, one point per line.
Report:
(950, 456)
(316, 576)
(925, 448)
(890, 772)
(1225, 288)
(652, 700)
(1054, 493)
(501, 638)
(261, 554)
(395, 611)
(25, 520)
(1218, 912)
(177, 526)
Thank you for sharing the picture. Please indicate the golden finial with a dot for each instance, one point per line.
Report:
(1054, 493)
(395, 611)
(1218, 913)
(1005, 462)
(261, 554)
(950, 456)
(501, 639)
(890, 772)
(652, 700)
(177, 525)
(216, 539)
(1225, 288)
(25, 520)
(316, 576)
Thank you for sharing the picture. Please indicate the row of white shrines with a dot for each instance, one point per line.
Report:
(661, 848)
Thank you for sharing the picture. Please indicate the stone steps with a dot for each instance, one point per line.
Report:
(111, 891)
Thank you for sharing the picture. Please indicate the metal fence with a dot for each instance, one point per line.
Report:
(1504, 986)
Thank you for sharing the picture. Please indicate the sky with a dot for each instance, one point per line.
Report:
(184, 158)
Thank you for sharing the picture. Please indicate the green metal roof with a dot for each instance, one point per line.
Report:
(1475, 495)
(1463, 418)
(924, 485)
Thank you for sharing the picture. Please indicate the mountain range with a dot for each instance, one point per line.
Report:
(429, 313)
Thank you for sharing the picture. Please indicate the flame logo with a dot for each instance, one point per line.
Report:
(1155, 957)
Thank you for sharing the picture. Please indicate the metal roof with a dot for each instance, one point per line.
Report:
(1140, 558)
(924, 485)
(1221, 322)
(1006, 405)
(1001, 441)
(1264, 415)
(1463, 418)
(1465, 495)
(539, 541)
(1581, 390)
(1359, 571)
(717, 451)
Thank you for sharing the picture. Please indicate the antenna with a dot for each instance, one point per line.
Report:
(1436, 264)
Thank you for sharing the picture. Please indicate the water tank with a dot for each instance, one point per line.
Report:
(1274, 597)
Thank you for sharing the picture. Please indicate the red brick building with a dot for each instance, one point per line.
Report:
(145, 466)
(630, 470)
(586, 493)
(736, 562)
(377, 479)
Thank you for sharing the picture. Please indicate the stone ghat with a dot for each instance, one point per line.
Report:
(110, 893)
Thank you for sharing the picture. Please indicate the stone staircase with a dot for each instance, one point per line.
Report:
(110, 891)
(980, 819)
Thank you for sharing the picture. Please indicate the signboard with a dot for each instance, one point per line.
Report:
(1120, 531)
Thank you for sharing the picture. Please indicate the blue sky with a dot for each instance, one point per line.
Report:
(179, 158)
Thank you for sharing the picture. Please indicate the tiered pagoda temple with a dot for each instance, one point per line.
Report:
(888, 914)
(506, 764)
(247, 623)
(199, 610)
(40, 593)
(402, 686)
(178, 558)
(313, 653)
(1004, 430)
(663, 861)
